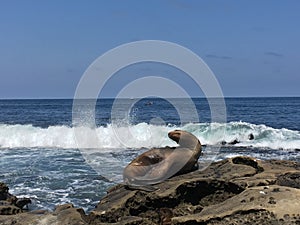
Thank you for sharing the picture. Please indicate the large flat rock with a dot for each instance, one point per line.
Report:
(241, 189)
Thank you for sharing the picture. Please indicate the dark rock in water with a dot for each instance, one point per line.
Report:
(223, 142)
(9, 203)
(235, 141)
(240, 190)
(250, 137)
(3, 191)
(21, 202)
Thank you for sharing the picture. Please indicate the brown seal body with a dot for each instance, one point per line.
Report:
(158, 164)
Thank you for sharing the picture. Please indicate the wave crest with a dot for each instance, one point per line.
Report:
(146, 135)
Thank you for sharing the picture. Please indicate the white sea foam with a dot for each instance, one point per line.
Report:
(145, 135)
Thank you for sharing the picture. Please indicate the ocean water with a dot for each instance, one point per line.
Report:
(40, 157)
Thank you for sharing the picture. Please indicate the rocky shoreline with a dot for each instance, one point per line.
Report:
(240, 190)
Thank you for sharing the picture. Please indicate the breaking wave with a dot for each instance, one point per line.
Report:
(146, 135)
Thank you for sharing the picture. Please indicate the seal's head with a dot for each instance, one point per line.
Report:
(184, 139)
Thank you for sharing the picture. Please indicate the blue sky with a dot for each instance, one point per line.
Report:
(252, 47)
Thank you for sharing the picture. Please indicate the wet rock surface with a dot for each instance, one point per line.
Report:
(63, 215)
(239, 190)
(10, 204)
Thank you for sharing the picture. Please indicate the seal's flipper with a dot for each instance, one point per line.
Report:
(147, 188)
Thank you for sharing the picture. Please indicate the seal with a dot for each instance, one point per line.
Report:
(158, 164)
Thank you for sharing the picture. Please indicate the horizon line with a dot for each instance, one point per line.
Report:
(202, 97)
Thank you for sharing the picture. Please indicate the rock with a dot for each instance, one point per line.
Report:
(9, 210)
(21, 202)
(3, 191)
(10, 206)
(63, 215)
(68, 215)
(256, 205)
(241, 190)
(9, 203)
(289, 179)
